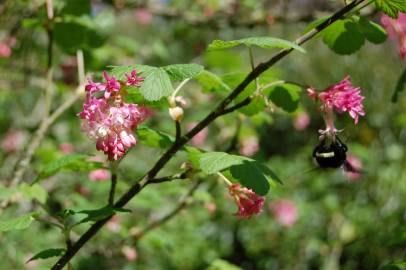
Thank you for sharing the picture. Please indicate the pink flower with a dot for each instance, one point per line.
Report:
(143, 16)
(99, 175)
(249, 146)
(112, 85)
(248, 202)
(301, 121)
(285, 212)
(396, 29)
(133, 79)
(111, 121)
(341, 97)
(211, 207)
(356, 163)
(12, 141)
(5, 50)
(130, 253)
(66, 148)
(114, 224)
(200, 138)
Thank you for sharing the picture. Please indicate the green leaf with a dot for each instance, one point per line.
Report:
(398, 265)
(153, 138)
(180, 72)
(400, 85)
(391, 7)
(101, 213)
(156, 85)
(76, 7)
(19, 223)
(343, 37)
(285, 96)
(47, 253)
(373, 32)
(250, 173)
(73, 33)
(220, 264)
(213, 162)
(210, 82)
(75, 162)
(35, 191)
(263, 42)
(120, 71)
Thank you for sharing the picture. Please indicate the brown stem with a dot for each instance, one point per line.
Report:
(178, 130)
(218, 111)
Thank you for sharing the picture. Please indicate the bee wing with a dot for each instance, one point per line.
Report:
(349, 168)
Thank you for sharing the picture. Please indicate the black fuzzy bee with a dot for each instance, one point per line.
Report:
(333, 155)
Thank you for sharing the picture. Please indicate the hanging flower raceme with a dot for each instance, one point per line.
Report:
(108, 119)
(248, 202)
(396, 29)
(339, 98)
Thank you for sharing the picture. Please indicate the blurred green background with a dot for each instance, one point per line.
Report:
(340, 223)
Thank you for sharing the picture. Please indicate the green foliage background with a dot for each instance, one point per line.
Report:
(341, 224)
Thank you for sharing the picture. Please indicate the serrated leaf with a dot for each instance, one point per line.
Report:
(153, 138)
(156, 85)
(101, 213)
(213, 162)
(373, 32)
(391, 7)
(120, 71)
(220, 264)
(48, 253)
(75, 162)
(210, 82)
(343, 37)
(18, 223)
(250, 173)
(35, 191)
(400, 85)
(285, 96)
(180, 72)
(263, 42)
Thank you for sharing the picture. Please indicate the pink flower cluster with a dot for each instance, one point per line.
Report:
(341, 97)
(248, 202)
(108, 119)
(396, 28)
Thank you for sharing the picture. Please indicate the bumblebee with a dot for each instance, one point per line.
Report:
(330, 155)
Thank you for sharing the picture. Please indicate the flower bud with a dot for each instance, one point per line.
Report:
(176, 113)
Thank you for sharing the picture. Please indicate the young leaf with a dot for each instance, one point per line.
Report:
(285, 96)
(210, 82)
(75, 162)
(391, 7)
(156, 85)
(263, 42)
(343, 37)
(180, 72)
(18, 223)
(47, 253)
(315, 24)
(400, 85)
(373, 32)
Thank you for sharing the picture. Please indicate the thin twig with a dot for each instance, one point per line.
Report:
(178, 130)
(183, 202)
(113, 186)
(137, 187)
(168, 178)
